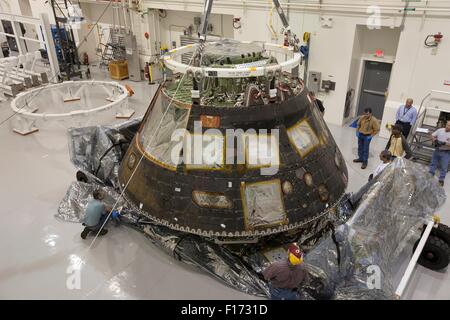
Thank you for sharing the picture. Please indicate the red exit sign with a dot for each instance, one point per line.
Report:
(379, 53)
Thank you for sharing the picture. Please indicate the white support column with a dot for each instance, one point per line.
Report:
(51, 51)
(39, 33)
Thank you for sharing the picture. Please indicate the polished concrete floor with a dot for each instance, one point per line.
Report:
(39, 253)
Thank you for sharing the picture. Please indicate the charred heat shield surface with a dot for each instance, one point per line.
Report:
(224, 198)
(378, 232)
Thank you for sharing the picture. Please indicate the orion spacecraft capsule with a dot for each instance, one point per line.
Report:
(233, 147)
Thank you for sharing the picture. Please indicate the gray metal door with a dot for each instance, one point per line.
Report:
(374, 87)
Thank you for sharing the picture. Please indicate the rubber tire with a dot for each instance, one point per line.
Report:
(439, 249)
(442, 232)
(81, 176)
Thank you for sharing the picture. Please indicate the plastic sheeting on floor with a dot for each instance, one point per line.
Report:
(378, 237)
(344, 248)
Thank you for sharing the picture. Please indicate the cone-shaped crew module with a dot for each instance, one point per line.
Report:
(232, 146)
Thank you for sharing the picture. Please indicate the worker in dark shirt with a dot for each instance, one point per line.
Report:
(317, 102)
(397, 144)
(285, 276)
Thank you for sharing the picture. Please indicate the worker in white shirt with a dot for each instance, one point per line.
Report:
(386, 158)
(441, 154)
(406, 116)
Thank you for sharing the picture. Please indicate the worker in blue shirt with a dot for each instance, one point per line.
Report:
(96, 215)
(406, 116)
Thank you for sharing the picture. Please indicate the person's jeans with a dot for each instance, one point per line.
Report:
(363, 147)
(440, 161)
(282, 294)
(100, 224)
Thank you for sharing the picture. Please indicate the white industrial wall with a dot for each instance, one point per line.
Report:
(385, 38)
(416, 69)
(92, 12)
(364, 45)
(173, 24)
(12, 7)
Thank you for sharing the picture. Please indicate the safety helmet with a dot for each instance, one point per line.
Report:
(295, 254)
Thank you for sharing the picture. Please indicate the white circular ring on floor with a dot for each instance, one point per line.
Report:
(117, 94)
(78, 100)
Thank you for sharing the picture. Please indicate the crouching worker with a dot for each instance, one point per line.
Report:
(96, 215)
(286, 276)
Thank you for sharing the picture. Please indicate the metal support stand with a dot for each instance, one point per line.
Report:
(113, 97)
(70, 96)
(125, 111)
(24, 126)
